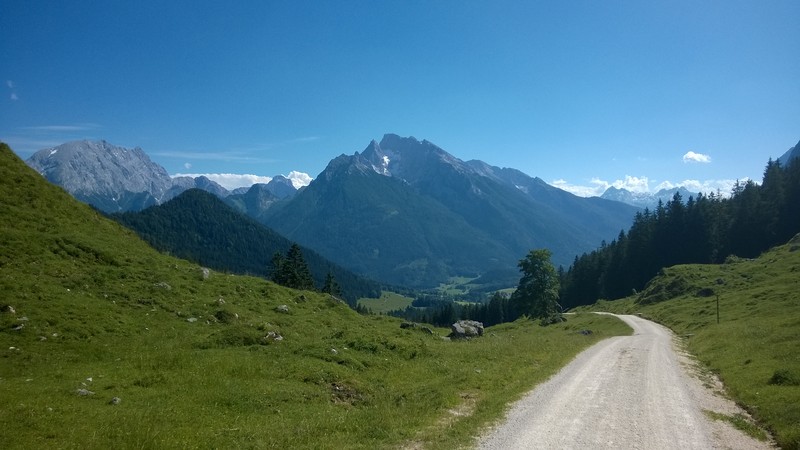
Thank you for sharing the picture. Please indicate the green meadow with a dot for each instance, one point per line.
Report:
(106, 343)
(388, 301)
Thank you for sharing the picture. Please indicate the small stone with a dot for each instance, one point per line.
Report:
(192, 319)
(19, 327)
(334, 351)
(89, 379)
(115, 401)
(221, 301)
(282, 308)
(84, 392)
(205, 273)
(11, 309)
(23, 319)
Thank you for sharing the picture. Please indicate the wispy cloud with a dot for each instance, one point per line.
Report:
(27, 140)
(231, 156)
(13, 95)
(62, 128)
(692, 157)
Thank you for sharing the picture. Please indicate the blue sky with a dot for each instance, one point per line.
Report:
(581, 94)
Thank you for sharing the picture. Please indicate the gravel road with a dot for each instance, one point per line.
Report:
(624, 392)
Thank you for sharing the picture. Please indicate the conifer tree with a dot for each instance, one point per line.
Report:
(331, 286)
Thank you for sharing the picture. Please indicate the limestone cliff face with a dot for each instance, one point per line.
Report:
(109, 177)
(113, 178)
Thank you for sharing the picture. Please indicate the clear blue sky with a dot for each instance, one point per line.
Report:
(563, 90)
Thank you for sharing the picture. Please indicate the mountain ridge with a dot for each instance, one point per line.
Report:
(117, 179)
(456, 206)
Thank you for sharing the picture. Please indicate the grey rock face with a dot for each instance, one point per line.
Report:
(109, 177)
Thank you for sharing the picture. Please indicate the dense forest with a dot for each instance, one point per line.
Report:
(702, 230)
(198, 226)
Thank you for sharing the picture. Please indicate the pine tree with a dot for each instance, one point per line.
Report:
(331, 286)
(291, 270)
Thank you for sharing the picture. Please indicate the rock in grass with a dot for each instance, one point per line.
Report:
(205, 272)
(282, 308)
(465, 329)
(84, 392)
(115, 401)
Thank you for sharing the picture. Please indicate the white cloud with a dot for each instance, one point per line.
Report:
(299, 179)
(580, 191)
(692, 157)
(232, 181)
(598, 186)
(10, 84)
(14, 96)
(187, 166)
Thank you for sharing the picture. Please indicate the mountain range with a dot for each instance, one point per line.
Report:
(117, 179)
(410, 213)
(646, 199)
(402, 211)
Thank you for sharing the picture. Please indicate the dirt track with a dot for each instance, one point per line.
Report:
(624, 392)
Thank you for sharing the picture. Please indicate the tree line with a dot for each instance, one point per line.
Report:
(536, 297)
(702, 230)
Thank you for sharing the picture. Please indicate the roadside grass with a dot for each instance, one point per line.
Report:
(168, 357)
(739, 422)
(388, 301)
(754, 348)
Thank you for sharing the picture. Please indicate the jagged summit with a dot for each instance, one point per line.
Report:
(110, 177)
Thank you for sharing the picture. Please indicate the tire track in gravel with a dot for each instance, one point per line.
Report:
(629, 392)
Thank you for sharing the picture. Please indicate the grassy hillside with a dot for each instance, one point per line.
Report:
(106, 343)
(755, 349)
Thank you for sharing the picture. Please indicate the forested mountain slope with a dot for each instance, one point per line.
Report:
(198, 226)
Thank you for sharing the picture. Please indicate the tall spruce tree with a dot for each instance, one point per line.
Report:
(291, 270)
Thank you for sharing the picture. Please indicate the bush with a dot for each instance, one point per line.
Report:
(784, 377)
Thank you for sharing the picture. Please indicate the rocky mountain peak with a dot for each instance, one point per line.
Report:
(108, 176)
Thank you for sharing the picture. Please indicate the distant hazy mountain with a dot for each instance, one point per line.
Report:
(198, 226)
(180, 184)
(410, 213)
(790, 155)
(113, 178)
(646, 199)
